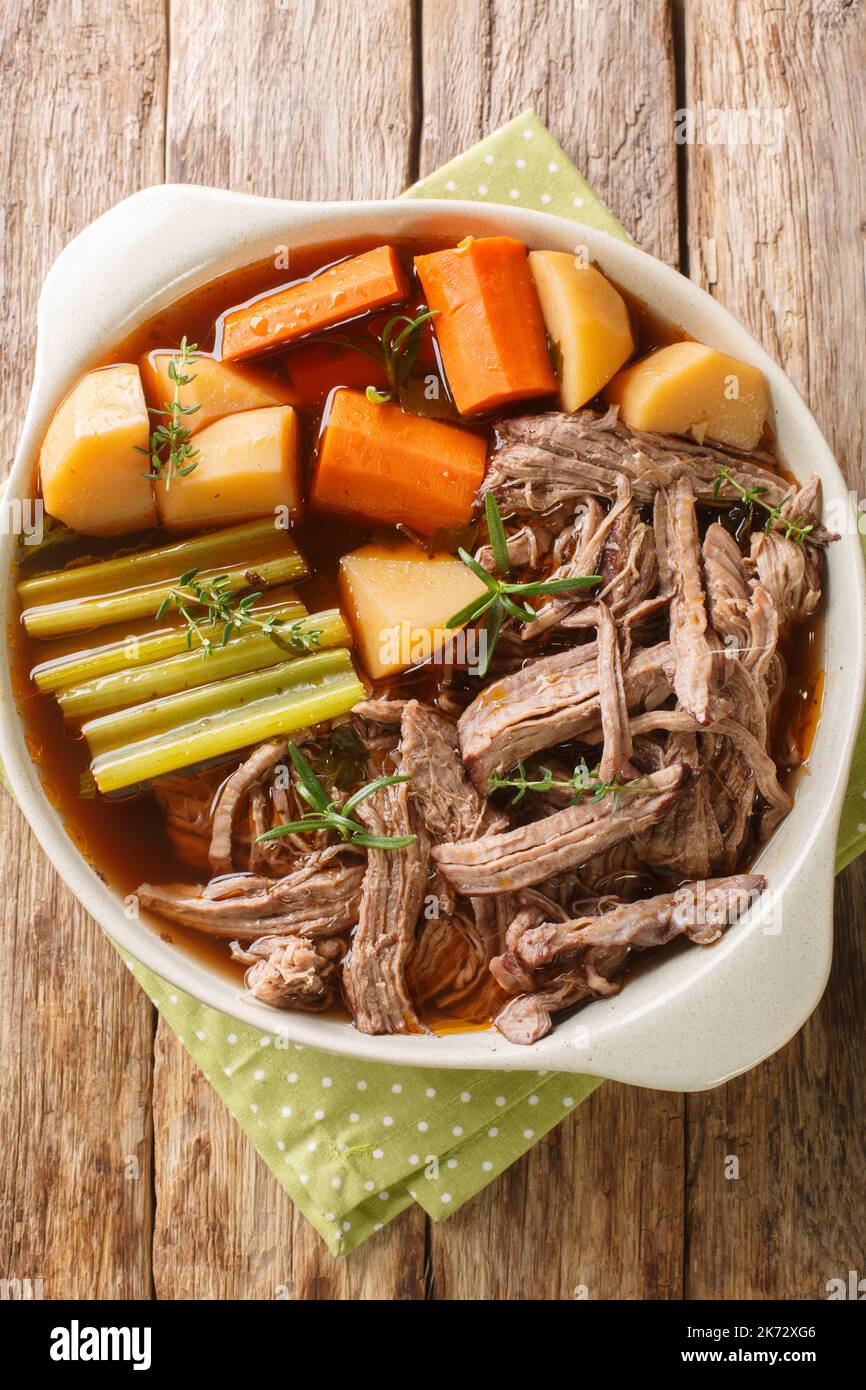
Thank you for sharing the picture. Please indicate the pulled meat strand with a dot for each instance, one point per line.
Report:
(319, 897)
(699, 910)
(395, 884)
(291, 972)
(532, 853)
(696, 663)
(601, 947)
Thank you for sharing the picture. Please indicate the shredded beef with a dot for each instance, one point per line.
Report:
(394, 887)
(291, 972)
(538, 851)
(697, 667)
(549, 701)
(319, 897)
(545, 461)
(699, 910)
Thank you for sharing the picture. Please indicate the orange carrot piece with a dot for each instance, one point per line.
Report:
(314, 369)
(341, 292)
(382, 464)
(488, 323)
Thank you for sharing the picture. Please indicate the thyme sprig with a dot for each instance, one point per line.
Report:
(170, 450)
(398, 349)
(326, 814)
(501, 598)
(795, 528)
(580, 784)
(210, 603)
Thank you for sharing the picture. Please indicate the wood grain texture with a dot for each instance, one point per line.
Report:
(783, 221)
(80, 128)
(293, 99)
(601, 76)
(619, 1227)
(315, 122)
(593, 1211)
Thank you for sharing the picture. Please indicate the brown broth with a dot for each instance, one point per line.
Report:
(123, 838)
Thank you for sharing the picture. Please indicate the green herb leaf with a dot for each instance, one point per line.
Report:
(796, 528)
(216, 605)
(556, 586)
(309, 785)
(327, 815)
(579, 784)
(383, 841)
(370, 789)
(496, 532)
(398, 348)
(503, 598)
(170, 452)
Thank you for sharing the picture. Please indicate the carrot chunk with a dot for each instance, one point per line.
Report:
(379, 463)
(314, 369)
(488, 323)
(341, 292)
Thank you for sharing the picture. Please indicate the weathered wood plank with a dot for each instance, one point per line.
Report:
(775, 229)
(593, 1211)
(81, 126)
(602, 78)
(304, 100)
(292, 100)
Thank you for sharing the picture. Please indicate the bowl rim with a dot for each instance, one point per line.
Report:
(664, 1036)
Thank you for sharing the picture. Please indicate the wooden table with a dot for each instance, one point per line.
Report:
(122, 1174)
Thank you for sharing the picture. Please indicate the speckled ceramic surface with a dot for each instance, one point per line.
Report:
(690, 1021)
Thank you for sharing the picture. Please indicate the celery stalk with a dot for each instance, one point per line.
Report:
(205, 702)
(80, 614)
(135, 649)
(228, 546)
(244, 652)
(332, 694)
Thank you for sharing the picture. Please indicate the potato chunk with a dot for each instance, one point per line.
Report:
(218, 389)
(92, 475)
(247, 467)
(587, 321)
(689, 388)
(398, 600)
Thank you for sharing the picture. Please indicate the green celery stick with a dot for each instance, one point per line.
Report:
(244, 652)
(206, 702)
(80, 614)
(229, 546)
(87, 663)
(281, 713)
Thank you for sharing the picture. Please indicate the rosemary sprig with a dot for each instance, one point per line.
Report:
(325, 814)
(204, 603)
(795, 528)
(398, 348)
(171, 453)
(579, 784)
(501, 598)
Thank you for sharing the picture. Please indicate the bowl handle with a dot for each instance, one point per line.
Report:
(103, 280)
(758, 987)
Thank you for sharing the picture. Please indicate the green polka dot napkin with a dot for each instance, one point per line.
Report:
(352, 1142)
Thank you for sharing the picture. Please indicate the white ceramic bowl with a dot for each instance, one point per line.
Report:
(690, 1021)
